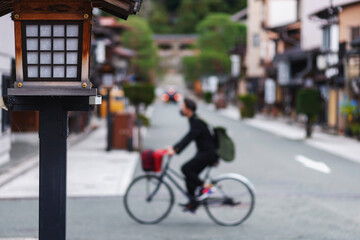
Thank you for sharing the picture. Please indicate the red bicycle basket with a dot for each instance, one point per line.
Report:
(152, 160)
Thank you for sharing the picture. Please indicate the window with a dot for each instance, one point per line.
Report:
(52, 51)
(326, 38)
(355, 33)
(256, 40)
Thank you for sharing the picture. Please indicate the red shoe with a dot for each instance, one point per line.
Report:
(205, 192)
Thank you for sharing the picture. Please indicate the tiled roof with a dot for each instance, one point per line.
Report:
(118, 8)
(6, 7)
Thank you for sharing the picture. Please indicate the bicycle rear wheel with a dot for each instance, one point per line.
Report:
(232, 202)
(148, 200)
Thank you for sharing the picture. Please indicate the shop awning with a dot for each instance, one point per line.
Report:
(293, 54)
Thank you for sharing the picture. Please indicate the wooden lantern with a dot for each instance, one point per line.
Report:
(52, 43)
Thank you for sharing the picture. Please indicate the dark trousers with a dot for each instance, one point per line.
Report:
(194, 167)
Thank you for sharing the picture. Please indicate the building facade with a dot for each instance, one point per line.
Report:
(304, 43)
(7, 54)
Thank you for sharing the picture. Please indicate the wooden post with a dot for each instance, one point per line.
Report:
(53, 131)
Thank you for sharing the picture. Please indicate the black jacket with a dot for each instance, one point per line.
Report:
(199, 132)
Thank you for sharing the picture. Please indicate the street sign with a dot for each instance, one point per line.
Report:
(284, 72)
(270, 91)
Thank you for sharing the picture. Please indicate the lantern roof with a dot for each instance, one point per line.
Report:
(118, 8)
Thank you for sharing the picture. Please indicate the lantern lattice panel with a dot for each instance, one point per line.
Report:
(51, 50)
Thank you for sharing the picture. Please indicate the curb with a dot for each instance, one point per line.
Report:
(18, 239)
(31, 162)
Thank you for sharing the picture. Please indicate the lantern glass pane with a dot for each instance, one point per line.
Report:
(32, 58)
(33, 72)
(32, 44)
(45, 30)
(52, 50)
(72, 30)
(59, 44)
(71, 58)
(32, 30)
(45, 44)
(72, 44)
(59, 31)
(45, 71)
(71, 72)
(59, 58)
(45, 58)
(59, 72)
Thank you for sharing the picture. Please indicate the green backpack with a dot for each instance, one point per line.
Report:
(225, 145)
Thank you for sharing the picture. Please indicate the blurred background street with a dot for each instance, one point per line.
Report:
(282, 76)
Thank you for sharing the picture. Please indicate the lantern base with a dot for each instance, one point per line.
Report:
(51, 92)
(37, 103)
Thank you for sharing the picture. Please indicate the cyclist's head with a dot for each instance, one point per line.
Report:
(188, 107)
(190, 104)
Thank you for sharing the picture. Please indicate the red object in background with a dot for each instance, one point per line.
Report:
(177, 97)
(171, 91)
(152, 160)
(165, 97)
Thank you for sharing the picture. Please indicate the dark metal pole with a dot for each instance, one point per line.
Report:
(109, 121)
(53, 132)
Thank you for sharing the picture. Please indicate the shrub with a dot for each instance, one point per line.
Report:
(308, 103)
(145, 121)
(248, 104)
(355, 129)
(208, 97)
(140, 93)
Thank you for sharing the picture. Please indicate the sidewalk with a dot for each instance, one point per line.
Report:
(91, 170)
(338, 145)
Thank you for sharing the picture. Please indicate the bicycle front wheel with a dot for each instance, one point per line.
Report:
(148, 200)
(232, 202)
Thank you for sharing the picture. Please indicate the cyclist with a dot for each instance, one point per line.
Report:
(205, 155)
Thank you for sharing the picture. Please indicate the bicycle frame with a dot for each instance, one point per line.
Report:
(169, 173)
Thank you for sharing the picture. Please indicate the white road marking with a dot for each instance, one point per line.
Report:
(318, 166)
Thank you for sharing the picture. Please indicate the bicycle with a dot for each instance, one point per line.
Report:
(149, 198)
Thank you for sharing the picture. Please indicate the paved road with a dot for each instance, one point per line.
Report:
(294, 200)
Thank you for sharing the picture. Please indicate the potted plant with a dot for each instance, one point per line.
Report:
(308, 103)
(247, 105)
(355, 130)
(140, 93)
(208, 96)
(350, 110)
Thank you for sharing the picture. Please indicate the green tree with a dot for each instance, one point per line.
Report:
(172, 5)
(140, 93)
(214, 63)
(190, 13)
(191, 67)
(159, 19)
(218, 33)
(308, 103)
(139, 38)
(226, 6)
